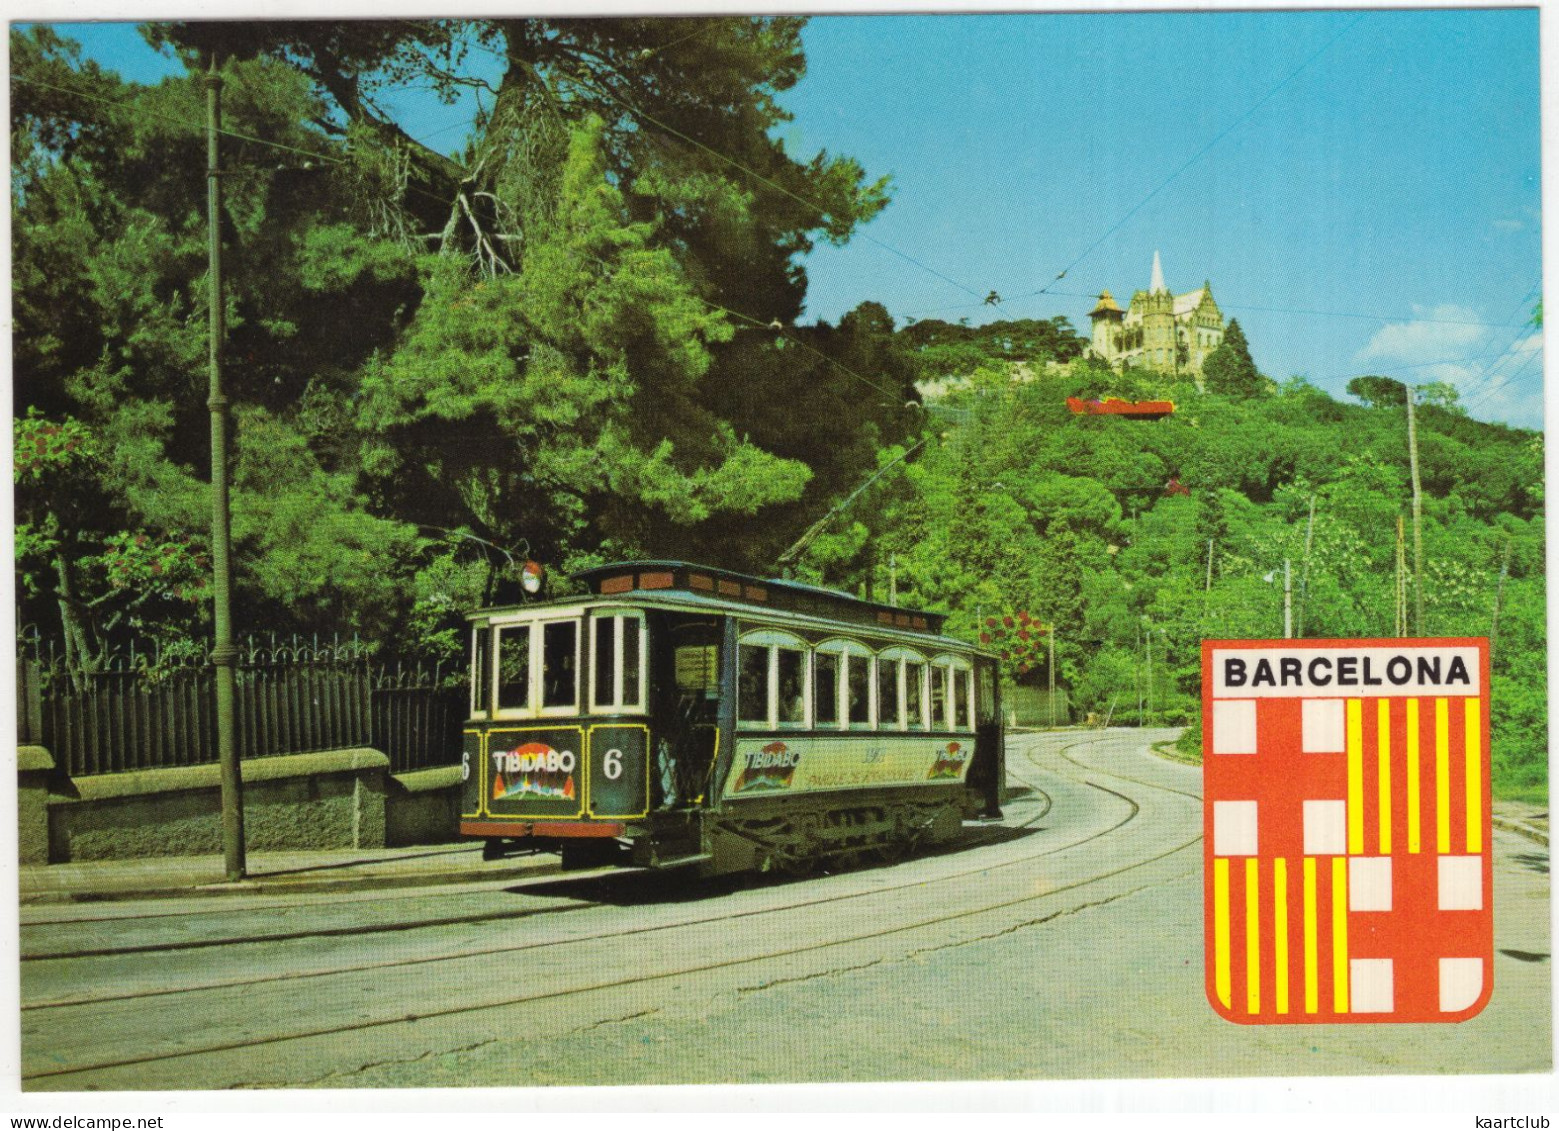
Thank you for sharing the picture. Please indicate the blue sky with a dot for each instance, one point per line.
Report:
(1362, 189)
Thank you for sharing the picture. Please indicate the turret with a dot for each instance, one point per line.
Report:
(1106, 318)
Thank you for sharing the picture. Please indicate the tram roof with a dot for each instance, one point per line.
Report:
(658, 579)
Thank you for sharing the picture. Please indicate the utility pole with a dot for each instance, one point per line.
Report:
(1304, 577)
(1139, 679)
(1418, 518)
(1499, 594)
(1053, 675)
(1147, 643)
(1401, 625)
(223, 654)
(1288, 602)
(1209, 588)
(893, 580)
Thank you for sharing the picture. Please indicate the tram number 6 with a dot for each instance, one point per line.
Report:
(612, 764)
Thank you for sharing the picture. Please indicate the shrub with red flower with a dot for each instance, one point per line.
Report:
(1020, 640)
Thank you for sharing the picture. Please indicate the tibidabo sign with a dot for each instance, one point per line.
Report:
(1348, 875)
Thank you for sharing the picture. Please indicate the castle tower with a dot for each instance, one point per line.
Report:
(1158, 321)
(1106, 318)
(1159, 329)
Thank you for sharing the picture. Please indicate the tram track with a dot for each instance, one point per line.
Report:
(763, 954)
(480, 952)
(978, 838)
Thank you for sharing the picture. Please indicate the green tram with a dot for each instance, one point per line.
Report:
(686, 716)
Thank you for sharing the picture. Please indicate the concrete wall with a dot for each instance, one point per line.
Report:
(423, 807)
(34, 768)
(330, 799)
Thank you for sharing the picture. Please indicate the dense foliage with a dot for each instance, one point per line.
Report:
(575, 340)
(1080, 522)
(572, 340)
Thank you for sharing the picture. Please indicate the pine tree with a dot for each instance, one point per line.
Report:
(1229, 369)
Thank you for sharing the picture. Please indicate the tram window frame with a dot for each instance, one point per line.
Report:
(502, 709)
(482, 690)
(769, 643)
(901, 659)
(620, 697)
(849, 654)
(916, 719)
(985, 701)
(836, 660)
(892, 669)
(540, 666)
(536, 705)
(956, 711)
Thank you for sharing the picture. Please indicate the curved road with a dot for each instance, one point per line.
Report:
(1064, 942)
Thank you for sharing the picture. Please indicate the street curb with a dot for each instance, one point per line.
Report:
(280, 885)
(1531, 832)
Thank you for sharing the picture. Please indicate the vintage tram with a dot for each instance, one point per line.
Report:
(682, 716)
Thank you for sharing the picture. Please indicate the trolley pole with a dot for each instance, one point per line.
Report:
(223, 654)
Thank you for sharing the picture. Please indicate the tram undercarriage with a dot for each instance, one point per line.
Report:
(792, 834)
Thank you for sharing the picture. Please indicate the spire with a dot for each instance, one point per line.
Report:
(1157, 285)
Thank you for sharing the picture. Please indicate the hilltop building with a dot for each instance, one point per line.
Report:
(1158, 330)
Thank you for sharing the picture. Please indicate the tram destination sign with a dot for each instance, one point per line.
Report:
(1348, 867)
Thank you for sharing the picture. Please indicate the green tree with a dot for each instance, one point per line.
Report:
(1229, 369)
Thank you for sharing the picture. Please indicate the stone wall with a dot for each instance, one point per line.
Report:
(330, 799)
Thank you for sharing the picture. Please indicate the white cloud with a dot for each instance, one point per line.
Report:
(1509, 390)
(1442, 333)
(1509, 225)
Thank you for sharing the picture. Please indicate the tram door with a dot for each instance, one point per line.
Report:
(687, 698)
(988, 771)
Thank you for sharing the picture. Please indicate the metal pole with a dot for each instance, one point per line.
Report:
(1288, 602)
(1147, 642)
(223, 654)
(1052, 677)
(1499, 594)
(1418, 520)
(1304, 578)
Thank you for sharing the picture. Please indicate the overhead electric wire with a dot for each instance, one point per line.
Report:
(1197, 156)
(646, 116)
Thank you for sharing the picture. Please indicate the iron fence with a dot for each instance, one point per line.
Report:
(146, 711)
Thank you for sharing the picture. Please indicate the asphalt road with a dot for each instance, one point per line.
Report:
(1064, 943)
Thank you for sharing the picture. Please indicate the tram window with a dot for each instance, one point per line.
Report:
(858, 676)
(514, 668)
(752, 683)
(939, 697)
(825, 695)
(985, 697)
(481, 670)
(633, 669)
(559, 650)
(887, 694)
(605, 653)
(617, 665)
(914, 694)
(955, 705)
(792, 686)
